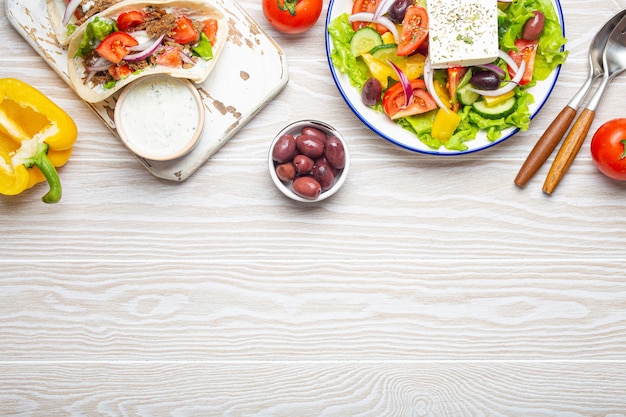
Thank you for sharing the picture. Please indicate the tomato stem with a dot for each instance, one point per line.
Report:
(287, 6)
(623, 141)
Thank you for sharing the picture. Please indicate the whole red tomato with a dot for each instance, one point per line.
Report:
(608, 149)
(292, 16)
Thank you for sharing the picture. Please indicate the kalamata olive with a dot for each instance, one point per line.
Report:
(285, 149)
(322, 160)
(306, 187)
(324, 175)
(533, 28)
(371, 91)
(303, 164)
(310, 146)
(313, 131)
(335, 153)
(485, 80)
(397, 11)
(286, 172)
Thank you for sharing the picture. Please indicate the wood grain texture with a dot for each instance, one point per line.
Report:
(428, 286)
(318, 389)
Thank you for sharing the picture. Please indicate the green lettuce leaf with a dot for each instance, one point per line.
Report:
(95, 32)
(340, 31)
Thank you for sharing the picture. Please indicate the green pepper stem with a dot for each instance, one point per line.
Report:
(48, 170)
(287, 5)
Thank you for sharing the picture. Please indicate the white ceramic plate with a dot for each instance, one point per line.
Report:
(394, 133)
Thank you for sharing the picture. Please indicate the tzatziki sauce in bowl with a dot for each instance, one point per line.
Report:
(159, 117)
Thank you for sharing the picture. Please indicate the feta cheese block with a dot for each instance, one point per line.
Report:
(462, 32)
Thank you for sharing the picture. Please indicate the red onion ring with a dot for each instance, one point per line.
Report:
(406, 84)
(99, 64)
(69, 11)
(430, 85)
(146, 52)
(509, 61)
(186, 59)
(142, 46)
(493, 68)
(382, 8)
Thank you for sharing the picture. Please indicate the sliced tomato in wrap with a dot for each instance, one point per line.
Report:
(159, 37)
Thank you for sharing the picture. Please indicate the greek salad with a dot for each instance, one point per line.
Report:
(383, 47)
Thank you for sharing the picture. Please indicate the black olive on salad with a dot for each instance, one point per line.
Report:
(397, 11)
(485, 80)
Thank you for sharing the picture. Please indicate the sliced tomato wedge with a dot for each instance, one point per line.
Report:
(455, 74)
(526, 51)
(394, 99)
(184, 32)
(113, 47)
(119, 72)
(414, 30)
(369, 6)
(170, 57)
(210, 30)
(128, 20)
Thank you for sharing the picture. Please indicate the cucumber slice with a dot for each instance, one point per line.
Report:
(364, 40)
(465, 96)
(496, 112)
(387, 51)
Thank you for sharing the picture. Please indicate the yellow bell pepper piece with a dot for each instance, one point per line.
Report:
(442, 92)
(388, 38)
(445, 123)
(412, 66)
(495, 100)
(379, 69)
(35, 137)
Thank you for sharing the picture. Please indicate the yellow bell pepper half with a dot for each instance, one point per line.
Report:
(36, 136)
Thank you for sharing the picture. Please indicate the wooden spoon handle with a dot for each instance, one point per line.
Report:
(545, 145)
(568, 151)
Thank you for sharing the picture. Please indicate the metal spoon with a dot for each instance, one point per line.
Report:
(555, 132)
(614, 62)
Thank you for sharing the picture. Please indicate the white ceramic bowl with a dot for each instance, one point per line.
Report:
(295, 129)
(160, 117)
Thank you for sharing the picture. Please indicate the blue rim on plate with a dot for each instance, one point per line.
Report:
(394, 133)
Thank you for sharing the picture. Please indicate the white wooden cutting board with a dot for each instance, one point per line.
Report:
(251, 71)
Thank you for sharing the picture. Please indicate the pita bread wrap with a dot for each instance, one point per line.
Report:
(95, 74)
(57, 10)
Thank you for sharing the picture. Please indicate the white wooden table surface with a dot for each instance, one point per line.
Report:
(428, 286)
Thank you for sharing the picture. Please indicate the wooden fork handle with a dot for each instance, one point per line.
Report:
(568, 151)
(545, 145)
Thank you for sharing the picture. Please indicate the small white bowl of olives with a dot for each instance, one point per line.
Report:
(308, 161)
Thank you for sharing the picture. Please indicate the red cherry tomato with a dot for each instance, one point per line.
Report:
(210, 30)
(169, 57)
(184, 32)
(608, 149)
(526, 51)
(292, 16)
(129, 20)
(368, 6)
(414, 30)
(455, 74)
(113, 47)
(394, 99)
(120, 72)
